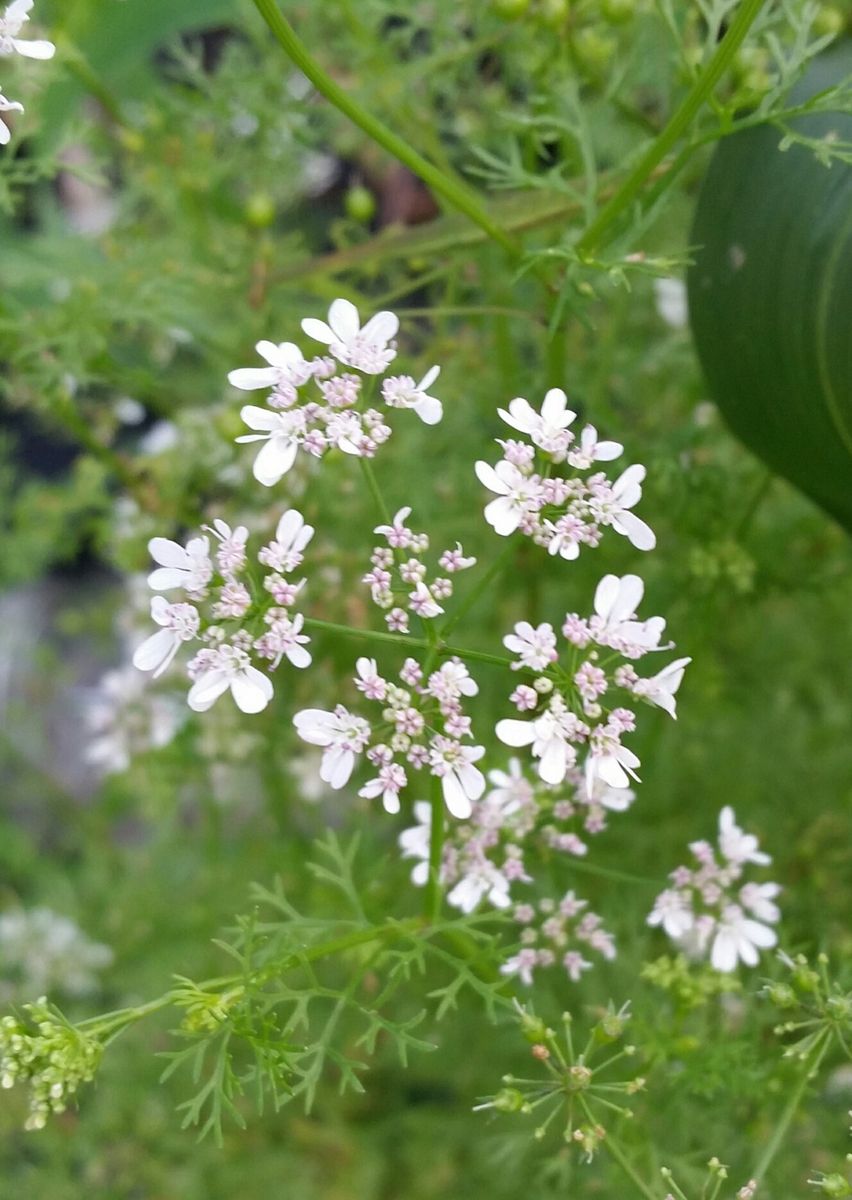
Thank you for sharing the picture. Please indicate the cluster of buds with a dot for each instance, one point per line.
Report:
(540, 489)
(229, 611)
(567, 700)
(557, 934)
(422, 726)
(398, 576)
(50, 1055)
(573, 1083)
(12, 22)
(707, 908)
(336, 411)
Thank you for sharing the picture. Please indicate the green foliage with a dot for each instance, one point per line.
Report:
(773, 263)
(332, 1042)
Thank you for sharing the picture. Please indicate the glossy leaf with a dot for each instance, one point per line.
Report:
(769, 296)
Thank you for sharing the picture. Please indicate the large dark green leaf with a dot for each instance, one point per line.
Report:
(770, 296)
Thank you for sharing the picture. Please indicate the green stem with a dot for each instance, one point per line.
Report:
(680, 121)
(405, 641)
(433, 896)
(127, 1016)
(812, 1064)
(478, 590)
(455, 193)
(375, 490)
(627, 1167)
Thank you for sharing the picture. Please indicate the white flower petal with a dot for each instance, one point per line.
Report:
(251, 689)
(249, 379)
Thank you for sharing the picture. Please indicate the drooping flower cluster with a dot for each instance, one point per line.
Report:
(423, 727)
(558, 933)
(313, 405)
(50, 1055)
(12, 22)
(233, 617)
(398, 576)
(485, 856)
(541, 492)
(569, 714)
(708, 909)
(41, 951)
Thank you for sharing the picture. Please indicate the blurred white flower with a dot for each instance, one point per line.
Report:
(670, 295)
(43, 952)
(124, 717)
(11, 24)
(7, 106)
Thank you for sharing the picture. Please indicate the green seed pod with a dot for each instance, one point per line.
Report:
(508, 1100)
(360, 204)
(260, 210)
(618, 12)
(510, 10)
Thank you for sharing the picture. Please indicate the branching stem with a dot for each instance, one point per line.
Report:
(681, 119)
(456, 194)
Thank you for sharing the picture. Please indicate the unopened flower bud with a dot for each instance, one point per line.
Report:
(508, 1100)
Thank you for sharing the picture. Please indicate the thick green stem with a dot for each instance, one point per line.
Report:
(434, 893)
(680, 121)
(812, 1064)
(455, 193)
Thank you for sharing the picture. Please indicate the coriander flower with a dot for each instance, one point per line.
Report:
(461, 781)
(11, 24)
(281, 432)
(414, 842)
(736, 846)
(368, 349)
(738, 939)
(535, 647)
(179, 623)
(550, 736)
(7, 106)
(481, 881)
(547, 429)
(287, 369)
(673, 911)
(340, 733)
(389, 782)
(589, 450)
(707, 910)
(229, 668)
(614, 509)
(660, 689)
(610, 763)
(292, 535)
(400, 391)
(186, 567)
(614, 623)
(517, 495)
